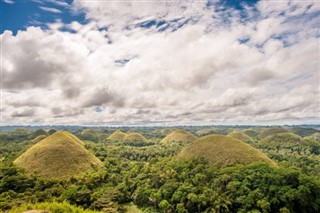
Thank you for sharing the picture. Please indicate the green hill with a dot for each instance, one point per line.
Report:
(252, 132)
(272, 131)
(240, 136)
(59, 156)
(179, 135)
(51, 131)
(315, 136)
(282, 140)
(223, 150)
(117, 135)
(37, 133)
(89, 134)
(135, 137)
(303, 132)
(209, 131)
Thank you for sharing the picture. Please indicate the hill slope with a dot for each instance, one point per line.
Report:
(284, 140)
(272, 131)
(179, 135)
(58, 156)
(117, 135)
(223, 150)
(240, 136)
(135, 137)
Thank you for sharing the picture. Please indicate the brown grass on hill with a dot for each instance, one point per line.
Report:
(240, 136)
(117, 135)
(272, 131)
(58, 156)
(223, 150)
(179, 135)
(135, 137)
(282, 140)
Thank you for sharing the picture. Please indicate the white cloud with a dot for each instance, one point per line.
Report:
(183, 76)
(8, 1)
(50, 9)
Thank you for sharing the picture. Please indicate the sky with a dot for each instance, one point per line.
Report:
(147, 62)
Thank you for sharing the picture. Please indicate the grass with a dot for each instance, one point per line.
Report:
(272, 131)
(240, 136)
(117, 135)
(59, 156)
(179, 135)
(208, 131)
(252, 132)
(53, 207)
(223, 150)
(37, 133)
(130, 208)
(282, 140)
(135, 137)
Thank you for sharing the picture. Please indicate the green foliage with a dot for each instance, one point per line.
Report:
(53, 207)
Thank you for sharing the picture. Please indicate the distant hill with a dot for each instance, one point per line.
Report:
(272, 131)
(59, 156)
(51, 131)
(282, 140)
(117, 135)
(89, 134)
(135, 137)
(303, 132)
(223, 150)
(252, 132)
(208, 131)
(37, 133)
(315, 136)
(240, 136)
(179, 135)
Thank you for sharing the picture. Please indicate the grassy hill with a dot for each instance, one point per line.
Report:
(252, 132)
(51, 131)
(89, 134)
(240, 136)
(179, 135)
(59, 156)
(37, 133)
(282, 140)
(135, 137)
(209, 131)
(117, 135)
(223, 150)
(272, 131)
(303, 132)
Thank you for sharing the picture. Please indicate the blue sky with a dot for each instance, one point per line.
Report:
(19, 14)
(160, 62)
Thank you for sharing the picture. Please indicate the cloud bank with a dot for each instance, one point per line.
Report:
(166, 63)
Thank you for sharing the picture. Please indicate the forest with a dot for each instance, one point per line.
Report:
(142, 170)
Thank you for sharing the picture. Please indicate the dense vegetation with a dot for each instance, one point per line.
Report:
(148, 175)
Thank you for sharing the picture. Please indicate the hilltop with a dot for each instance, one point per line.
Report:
(134, 136)
(59, 156)
(223, 150)
(179, 135)
(209, 131)
(240, 136)
(117, 135)
(272, 131)
(282, 140)
(37, 133)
